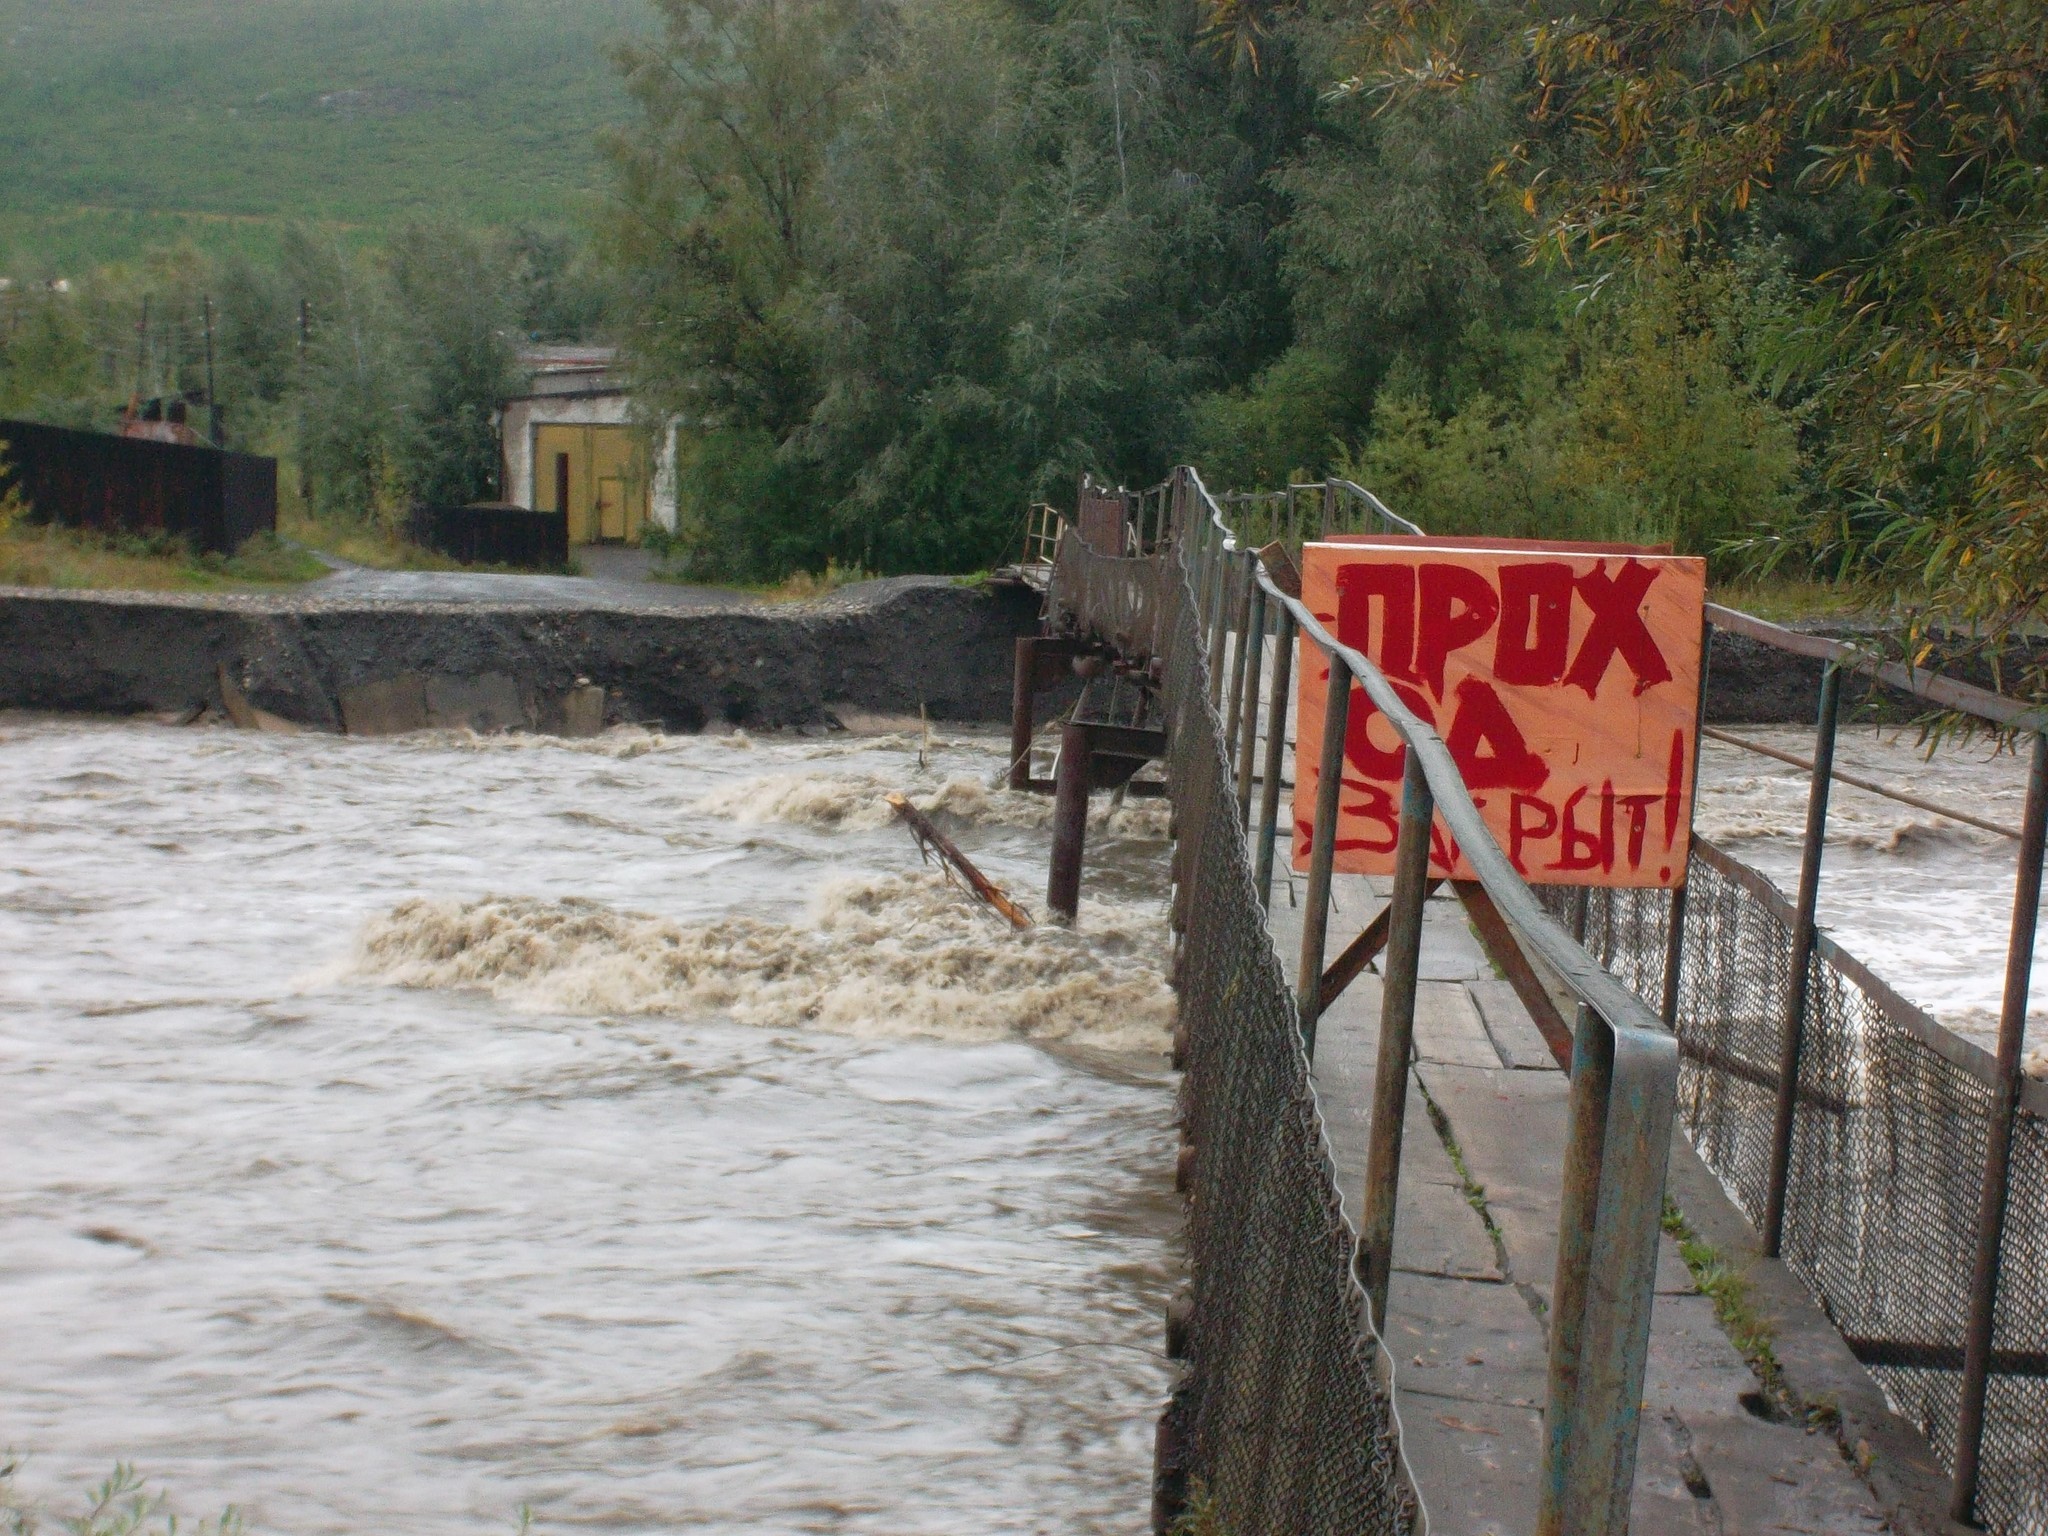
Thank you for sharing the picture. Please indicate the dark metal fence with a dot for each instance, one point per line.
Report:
(495, 534)
(211, 499)
(1285, 1414)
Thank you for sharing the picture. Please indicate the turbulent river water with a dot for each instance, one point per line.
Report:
(1924, 901)
(397, 1133)
(401, 1132)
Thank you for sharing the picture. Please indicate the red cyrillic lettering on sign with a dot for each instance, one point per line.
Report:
(1458, 606)
(1483, 722)
(1563, 681)
(1535, 623)
(1367, 755)
(1578, 847)
(1638, 808)
(1522, 831)
(1375, 803)
(1392, 647)
(1674, 782)
(1617, 627)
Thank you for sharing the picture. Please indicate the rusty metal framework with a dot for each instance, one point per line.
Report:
(1878, 1184)
(1902, 1172)
(1114, 598)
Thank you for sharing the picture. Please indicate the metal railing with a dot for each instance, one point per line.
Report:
(1625, 1063)
(1309, 510)
(1980, 1106)
(1774, 1080)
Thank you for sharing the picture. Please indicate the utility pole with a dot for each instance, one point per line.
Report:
(213, 431)
(305, 335)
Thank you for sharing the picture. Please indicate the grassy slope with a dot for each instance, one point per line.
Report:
(129, 121)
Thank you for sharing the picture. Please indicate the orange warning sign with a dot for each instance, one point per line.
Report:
(1563, 678)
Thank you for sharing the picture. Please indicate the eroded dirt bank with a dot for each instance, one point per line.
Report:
(329, 664)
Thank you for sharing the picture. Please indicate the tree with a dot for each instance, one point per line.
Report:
(1903, 143)
(903, 267)
(352, 392)
(454, 311)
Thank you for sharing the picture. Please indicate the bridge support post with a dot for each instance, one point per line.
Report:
(1252, 649)
(1023, 691)
(1792, 1043)
(1276, 754)
(1674, 933)
(1233, 718)
(1069, 822)
(1991, 1197)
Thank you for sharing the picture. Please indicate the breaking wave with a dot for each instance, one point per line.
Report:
(856, 802)
(893, 957)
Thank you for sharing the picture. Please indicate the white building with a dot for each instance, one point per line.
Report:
(571, 443)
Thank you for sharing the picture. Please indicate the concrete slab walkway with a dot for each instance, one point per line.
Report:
(1723, 1449)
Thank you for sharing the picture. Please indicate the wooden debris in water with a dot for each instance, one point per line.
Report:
(931, 840)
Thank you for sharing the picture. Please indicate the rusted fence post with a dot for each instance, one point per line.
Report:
(1254, 647)
(1403, 963)
(1069, 823)
(1991, 1197)
(1592, 1081)
(1792, 1043)
(1219, 621)
(1233, 720)
(1276, 752)
(1315, 914)
(1674, 932)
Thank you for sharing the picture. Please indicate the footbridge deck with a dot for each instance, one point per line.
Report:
(1435, 1284)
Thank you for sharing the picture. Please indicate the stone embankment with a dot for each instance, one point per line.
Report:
(328, 662)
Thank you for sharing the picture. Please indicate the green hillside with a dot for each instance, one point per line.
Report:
(128, 123)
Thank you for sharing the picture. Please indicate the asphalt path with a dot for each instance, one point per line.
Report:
(612, 578)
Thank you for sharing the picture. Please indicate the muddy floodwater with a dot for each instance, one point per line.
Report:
(401, 1132)
(1924, 901)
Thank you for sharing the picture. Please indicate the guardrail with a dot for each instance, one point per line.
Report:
(1191, 585)
(1900, 1170)
(1624, 1061)
(1283, 1419)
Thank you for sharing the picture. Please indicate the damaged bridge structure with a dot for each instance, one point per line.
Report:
(1450, 1248)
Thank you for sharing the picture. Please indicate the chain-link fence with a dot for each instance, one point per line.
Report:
(1284, 1416)
(1888, 1153)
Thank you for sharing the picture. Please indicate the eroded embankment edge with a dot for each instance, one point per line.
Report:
(917, 643)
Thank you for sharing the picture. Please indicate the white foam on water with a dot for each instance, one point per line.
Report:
(891, 958)
(859, 800)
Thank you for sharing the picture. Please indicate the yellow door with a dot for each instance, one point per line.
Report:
(561, 476)
(599, 474)
(611, 507)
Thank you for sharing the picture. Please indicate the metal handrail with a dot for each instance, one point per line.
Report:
(1838, 658)
(1624, 1061)
(1935, 688)
(1233, 593)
